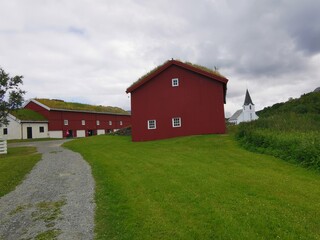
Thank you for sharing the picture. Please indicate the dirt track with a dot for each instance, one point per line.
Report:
(55, 199)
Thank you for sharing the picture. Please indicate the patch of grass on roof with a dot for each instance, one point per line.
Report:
(203, 68)
(27, 114)
(60, 104)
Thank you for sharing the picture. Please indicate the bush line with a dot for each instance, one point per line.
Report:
(292, 137)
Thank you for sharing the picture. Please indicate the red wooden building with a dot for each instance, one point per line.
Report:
(177, 99)
(64, 120)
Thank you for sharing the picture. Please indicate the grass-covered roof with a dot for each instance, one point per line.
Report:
(197, 66)
(206, 69)
(27, 115)
(60, 104)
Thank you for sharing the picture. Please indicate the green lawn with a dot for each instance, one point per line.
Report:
(15, 165)
(200, 187)
(33, 140)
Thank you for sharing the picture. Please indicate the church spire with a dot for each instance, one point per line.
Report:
(247, 99)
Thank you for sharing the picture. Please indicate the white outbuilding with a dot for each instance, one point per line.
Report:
(246, 114)
(24, 124)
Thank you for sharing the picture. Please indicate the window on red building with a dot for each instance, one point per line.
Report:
(152, 124)
(175, 82)
(176, 122)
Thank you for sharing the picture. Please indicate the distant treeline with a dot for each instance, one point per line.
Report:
(307, 103)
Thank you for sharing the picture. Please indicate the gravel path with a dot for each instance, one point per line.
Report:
(55, 201)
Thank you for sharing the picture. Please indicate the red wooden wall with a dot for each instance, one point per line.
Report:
(198, 100)
(56, 120)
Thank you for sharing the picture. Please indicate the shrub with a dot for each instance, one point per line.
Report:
(292, 137)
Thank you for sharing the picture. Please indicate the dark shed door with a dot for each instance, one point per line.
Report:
(29, 132)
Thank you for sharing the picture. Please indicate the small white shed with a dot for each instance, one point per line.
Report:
(25, 124)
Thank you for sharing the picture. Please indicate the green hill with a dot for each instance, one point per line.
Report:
(307, 103)
(289, 130)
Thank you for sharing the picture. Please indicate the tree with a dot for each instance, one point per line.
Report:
(11, 96)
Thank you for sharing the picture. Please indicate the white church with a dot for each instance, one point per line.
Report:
(246, 114)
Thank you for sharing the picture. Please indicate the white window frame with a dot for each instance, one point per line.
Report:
(83, 122)
(98, 123)
(120, 123)
(66, 122)
(176, 122)
(5, 131)
(175, 82)
(152, 124)
(110, 123)
(41, 128)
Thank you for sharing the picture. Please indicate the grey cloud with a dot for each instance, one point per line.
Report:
(301, 19)
(266, 45)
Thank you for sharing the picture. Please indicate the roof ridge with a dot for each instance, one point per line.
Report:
(236, 114)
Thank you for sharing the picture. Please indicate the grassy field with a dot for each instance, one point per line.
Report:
(290, 136)
(32, 140)
(200, 187)
(15, 165)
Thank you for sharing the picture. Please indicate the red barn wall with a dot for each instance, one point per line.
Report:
(198, 100)
(56, 120)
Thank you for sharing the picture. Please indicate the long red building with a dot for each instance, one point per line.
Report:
(77, 120)
(177, 99)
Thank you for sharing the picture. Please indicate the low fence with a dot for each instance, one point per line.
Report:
(3, 146)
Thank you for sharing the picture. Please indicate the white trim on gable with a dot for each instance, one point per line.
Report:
(36, 102)
(14, 118)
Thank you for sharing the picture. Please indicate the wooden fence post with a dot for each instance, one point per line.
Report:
(3, 146)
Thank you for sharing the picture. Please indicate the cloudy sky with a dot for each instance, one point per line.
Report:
(90, 51)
